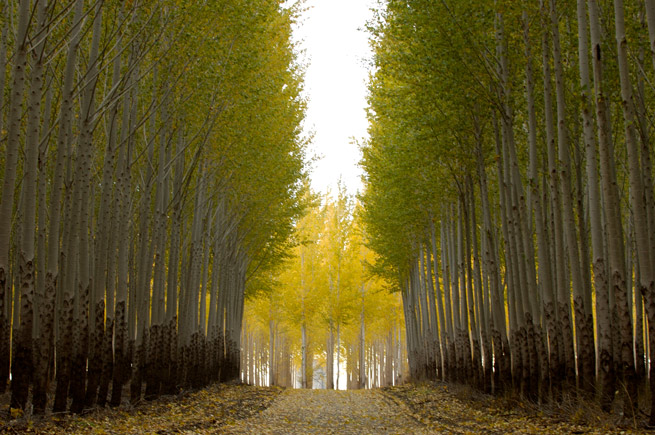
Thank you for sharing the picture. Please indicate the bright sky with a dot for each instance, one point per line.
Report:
(335, 44)
(336, 49)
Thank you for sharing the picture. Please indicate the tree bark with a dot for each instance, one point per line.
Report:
(16, 97)
(23, 367)
(615, 245)
(637, 199)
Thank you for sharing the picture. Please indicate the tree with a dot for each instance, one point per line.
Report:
(453, 137)
(213, 141)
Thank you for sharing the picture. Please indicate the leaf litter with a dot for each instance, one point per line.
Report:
(242, 409)
(456, 409)
(201, 411)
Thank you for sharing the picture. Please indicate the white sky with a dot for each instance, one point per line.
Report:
(335, 44)
(335, 48)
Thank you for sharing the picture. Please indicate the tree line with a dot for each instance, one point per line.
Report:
(324, 310)
(509, 191)
(152, 167)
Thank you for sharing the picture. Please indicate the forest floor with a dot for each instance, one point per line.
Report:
(456, 409)
(202, 411)
(407, 409)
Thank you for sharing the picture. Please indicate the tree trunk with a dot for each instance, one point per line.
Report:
(7, 203)
(44, 349)
(329, 361)
(22, 367)
(560, 281)
(550, 365)
(304, 363)
(606, 367)
(4, 306)
(584, 329)
(362, 345)
(435, 301)
(612, 212)
(83, 197)
(123, 206)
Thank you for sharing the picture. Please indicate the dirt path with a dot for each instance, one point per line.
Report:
(407, 410)
(330, 412)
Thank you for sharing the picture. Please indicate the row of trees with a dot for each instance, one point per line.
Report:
(152, 165)
(325, 309)
(509, 191)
